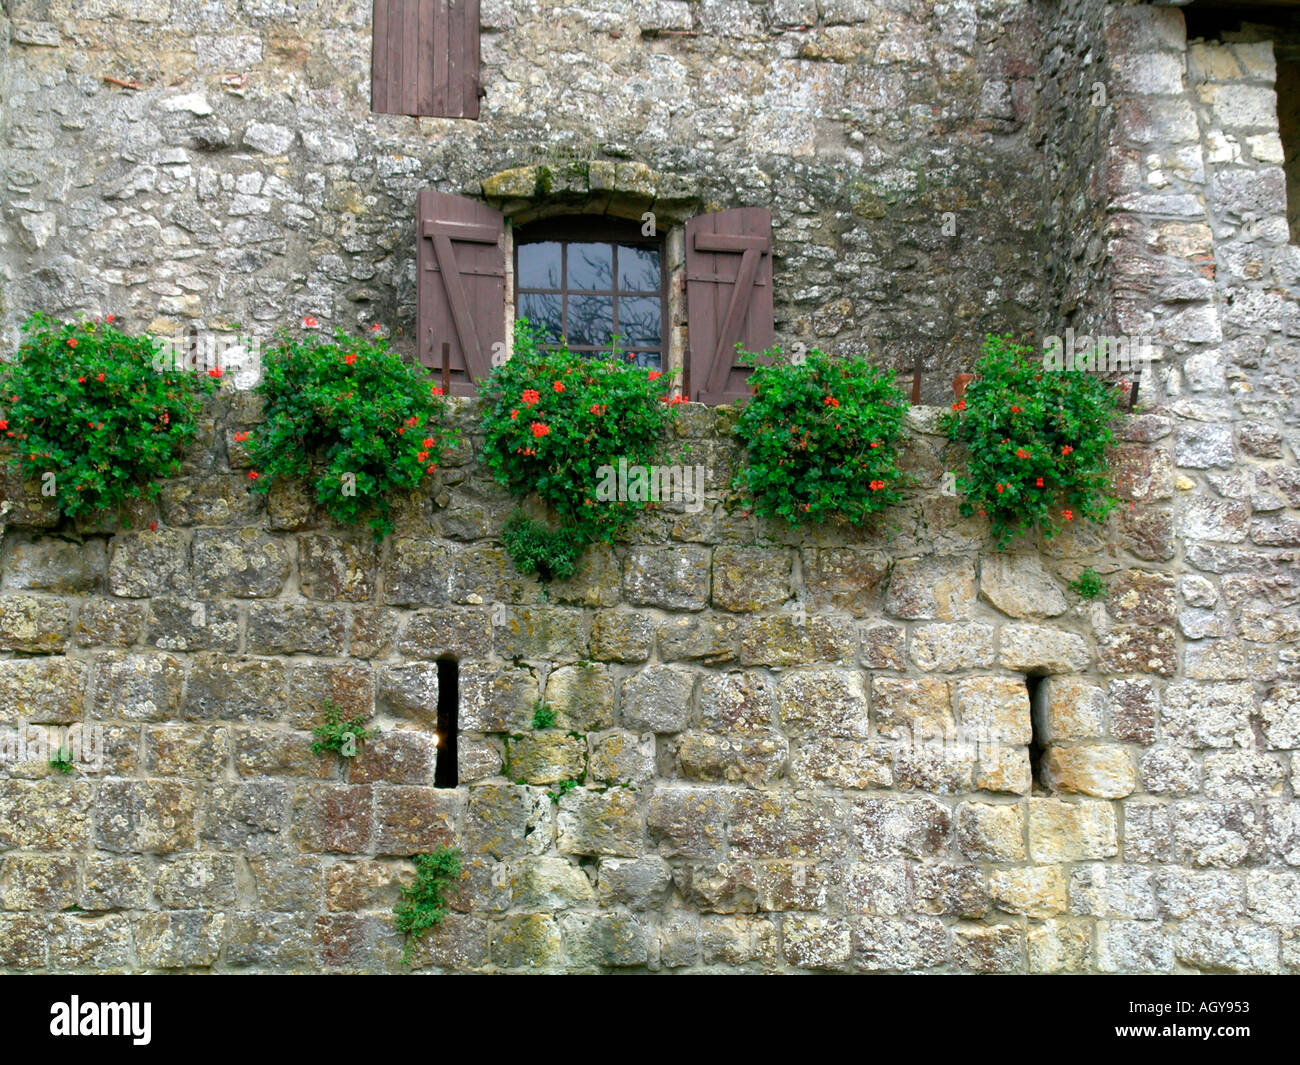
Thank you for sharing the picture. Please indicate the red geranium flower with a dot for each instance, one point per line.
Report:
(153, 526)
(530, 397)
(1021, 453)
(80, 381)
(241, 436)
(109, 318)
(72, 342)
(428, 441)
(960, 405)
(514, 415)
(1066, 450)
(654, 375)
(349, 359)
(557, 386)
(309, 322)
(216, 373)
(1002, 487)
(100, 377)
(876, 486)
(253, 475)
(830, 401)
(1069, 515)
(598, 409)
(540, 429)
(422, 457)
(1015, 409)
(437, 391)
(1039, 482)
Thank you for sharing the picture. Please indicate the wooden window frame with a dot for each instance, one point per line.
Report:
(582, 229)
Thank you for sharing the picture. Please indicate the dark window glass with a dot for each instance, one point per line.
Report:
(586, 283)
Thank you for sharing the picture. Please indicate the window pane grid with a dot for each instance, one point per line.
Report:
(604, 291)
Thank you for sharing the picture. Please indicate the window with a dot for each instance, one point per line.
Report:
(593, 284)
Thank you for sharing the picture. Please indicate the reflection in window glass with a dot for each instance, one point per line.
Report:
(638, 320)
(638, 268)
(591, 266)
(543, 311)
(591, 320)
(539, 265)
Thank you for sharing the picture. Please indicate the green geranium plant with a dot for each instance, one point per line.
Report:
(99, 417)
(552, 419)
(821, 438)
(1036, 441)
(351, 415)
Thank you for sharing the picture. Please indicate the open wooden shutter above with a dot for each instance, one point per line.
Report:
(460, 286)
(728, 298)
(424, 58)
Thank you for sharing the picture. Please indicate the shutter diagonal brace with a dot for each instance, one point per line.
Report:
(442, 234)
(752, 250)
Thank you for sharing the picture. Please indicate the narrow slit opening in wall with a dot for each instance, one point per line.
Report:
(445, 773)
(1037, 709)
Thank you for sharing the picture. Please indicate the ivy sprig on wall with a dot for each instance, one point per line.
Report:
(107, 414)
(551, 419)
(1036, 442)
(821, 438)
(351, 415)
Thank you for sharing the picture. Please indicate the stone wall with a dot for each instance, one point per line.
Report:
(796, 751)
(275, 193)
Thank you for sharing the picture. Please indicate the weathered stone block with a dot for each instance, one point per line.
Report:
(888, 828)
(657, 699)
(689, 822)
(1061, 831)
(675, 578)
(546, 758)
(932, 588)
(243, 564)
(145, 816)
(296, 628)
(752, 759)
(1036, 648)
(594, 822)
(411, 819)
(496, 700)
(904, 708)
(796, 640)
(1101, 770)
(582, 697)
(227, 689)
(623, 636)
(751, 579)
(331, 567)
(554, 633)
(1020, 586)
(42, 690)
(146, 564)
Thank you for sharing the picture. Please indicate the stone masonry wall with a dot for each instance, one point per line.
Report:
(276, 194)
(797, 751)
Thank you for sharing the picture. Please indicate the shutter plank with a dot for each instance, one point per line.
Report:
(471, 53)
(455, 56)
(440, 48)
(424, 90)
(379, 58)
(410, 57)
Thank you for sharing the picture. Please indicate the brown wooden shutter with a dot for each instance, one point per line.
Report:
(460, 286)
(424, 58)
(728, 298)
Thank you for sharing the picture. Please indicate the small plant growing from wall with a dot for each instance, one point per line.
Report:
(62, 762)
(335, 734)
(562, 789)
(1088, 585)
(424, 900)
(821, 436)
(543, 716)
(351, 415)
(1036, 442)
(97, 416)
(554, 420)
